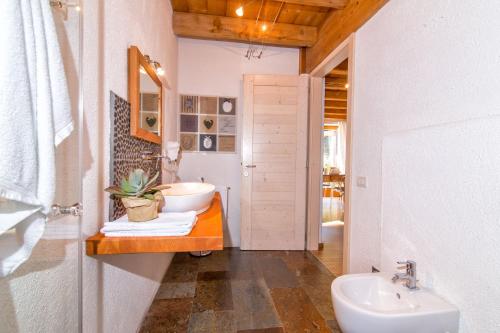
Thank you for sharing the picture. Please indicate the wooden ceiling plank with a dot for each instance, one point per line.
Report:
(336, 79)
(328, 107)
(304, 18)
(241, 30)
(334, 99)
(198, 6)
(216, 7)
(341, 85)
(319, 19)
(337, 4)
(336, 117)
(337, 73)
(269, 11)
(180, 6)
(331, 127)
(336, 88)
(338, 26)
(330, 115)
(289, 14)
(336, 94)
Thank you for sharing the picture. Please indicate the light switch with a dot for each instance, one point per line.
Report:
(361, 181)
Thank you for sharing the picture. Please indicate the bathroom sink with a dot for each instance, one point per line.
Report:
(373, 303)
(183, 197)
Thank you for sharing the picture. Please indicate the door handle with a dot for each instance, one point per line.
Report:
(250, 166)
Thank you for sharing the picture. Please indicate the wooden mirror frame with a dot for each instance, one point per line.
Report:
(135, 61)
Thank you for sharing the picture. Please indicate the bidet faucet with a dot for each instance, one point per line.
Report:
(410, 276)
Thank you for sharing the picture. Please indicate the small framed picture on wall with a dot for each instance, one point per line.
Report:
(208, 123)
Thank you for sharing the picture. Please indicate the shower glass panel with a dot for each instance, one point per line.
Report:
(44, 293)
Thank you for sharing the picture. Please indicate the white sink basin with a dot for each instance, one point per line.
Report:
(184, 197)
(372, 303)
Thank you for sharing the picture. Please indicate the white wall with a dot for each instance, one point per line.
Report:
(216, 69)
(118, 290)
(427, 137)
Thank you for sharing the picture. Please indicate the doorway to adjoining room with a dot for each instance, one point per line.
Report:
(334, 138)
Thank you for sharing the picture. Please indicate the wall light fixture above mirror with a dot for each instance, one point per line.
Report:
(145, 96)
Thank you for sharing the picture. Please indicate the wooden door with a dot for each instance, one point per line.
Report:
(273, 189)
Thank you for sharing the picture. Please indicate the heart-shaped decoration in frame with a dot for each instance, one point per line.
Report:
(151, 121)
(208, 123)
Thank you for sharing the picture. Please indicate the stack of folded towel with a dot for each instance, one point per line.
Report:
(167, 224)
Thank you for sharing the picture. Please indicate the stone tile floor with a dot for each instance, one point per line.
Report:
(235, 291)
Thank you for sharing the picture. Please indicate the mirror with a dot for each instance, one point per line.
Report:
(145, 96)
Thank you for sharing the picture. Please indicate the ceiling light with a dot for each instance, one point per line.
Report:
(346, 85)
(239, 11)
(263, 27)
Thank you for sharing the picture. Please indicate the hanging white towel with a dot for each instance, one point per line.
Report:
(35, 116)
(172, 150)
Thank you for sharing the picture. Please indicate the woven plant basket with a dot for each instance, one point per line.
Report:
(142, 209)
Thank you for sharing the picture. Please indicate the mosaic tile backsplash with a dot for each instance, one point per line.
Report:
(126, 150)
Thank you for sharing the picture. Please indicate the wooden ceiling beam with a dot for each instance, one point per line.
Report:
(337, 4)
(338, 26)
(225, 28)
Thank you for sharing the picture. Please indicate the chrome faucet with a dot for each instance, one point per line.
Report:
(410, 276)
(149, 156)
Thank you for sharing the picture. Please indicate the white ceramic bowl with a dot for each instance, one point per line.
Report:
(184, 197)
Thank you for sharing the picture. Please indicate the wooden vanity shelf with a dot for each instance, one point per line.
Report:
(206, 235)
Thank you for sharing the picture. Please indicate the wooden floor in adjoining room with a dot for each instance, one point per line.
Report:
(234, 291)
(332, 236)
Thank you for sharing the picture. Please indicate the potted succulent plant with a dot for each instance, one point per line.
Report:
(140, 196)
